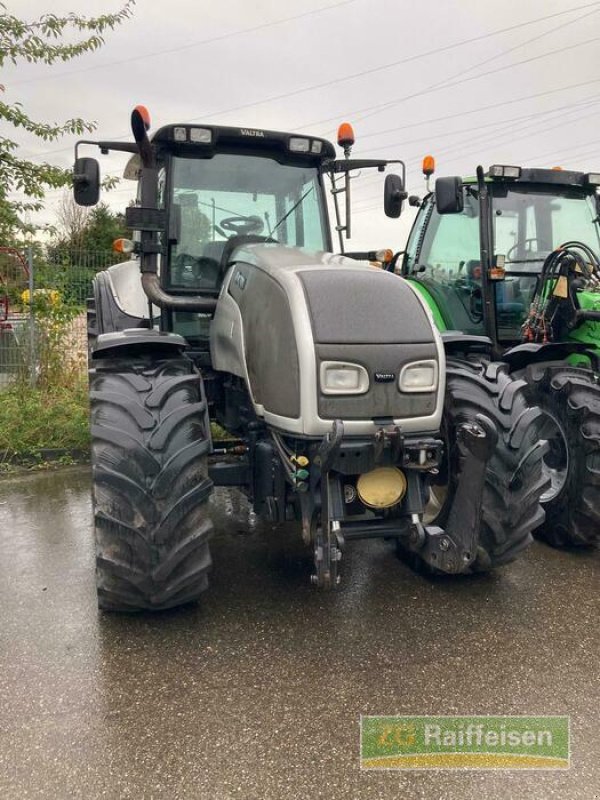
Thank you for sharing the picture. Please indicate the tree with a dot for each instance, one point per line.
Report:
(70, 262)
(94, 231)
(104, 227)
(72, 220)
(39, 41)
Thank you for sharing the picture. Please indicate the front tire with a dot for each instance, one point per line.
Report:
(92, 323)
(569, 398)
(150, 441)
(514, 479)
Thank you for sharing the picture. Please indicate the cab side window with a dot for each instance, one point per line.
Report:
(447, 264)
(451, 241)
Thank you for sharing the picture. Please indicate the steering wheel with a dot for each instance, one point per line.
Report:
(241, 226)
(522, 246)
(203, 268)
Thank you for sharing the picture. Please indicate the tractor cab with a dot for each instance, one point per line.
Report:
(223, 187)
(204, 193)
(480, 257)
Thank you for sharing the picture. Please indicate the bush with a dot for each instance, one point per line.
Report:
(51, 361)
(73, 282)
(46, 405)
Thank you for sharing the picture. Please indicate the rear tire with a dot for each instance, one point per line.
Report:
(150, 441)
(570, 399)
(514, 480)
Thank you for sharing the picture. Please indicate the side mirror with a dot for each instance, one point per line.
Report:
(86, 181)
(393, 196)
(449, 195)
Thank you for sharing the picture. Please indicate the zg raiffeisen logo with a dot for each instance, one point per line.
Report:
(505, 742)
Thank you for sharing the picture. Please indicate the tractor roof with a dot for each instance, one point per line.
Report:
(527, 175)
(208, 139)
(214, 137)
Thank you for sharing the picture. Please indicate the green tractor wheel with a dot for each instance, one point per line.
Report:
(515, 479)
(150, 440)
(570, 400)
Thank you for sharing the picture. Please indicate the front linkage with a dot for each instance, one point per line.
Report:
(339, 505)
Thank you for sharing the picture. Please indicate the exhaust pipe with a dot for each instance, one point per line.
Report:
(157, 295)
(140, 123)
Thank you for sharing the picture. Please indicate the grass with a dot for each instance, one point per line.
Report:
(218, 433)
(54, 418)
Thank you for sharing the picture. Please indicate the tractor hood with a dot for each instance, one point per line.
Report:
(291, 322)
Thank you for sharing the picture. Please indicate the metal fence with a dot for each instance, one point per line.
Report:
(43, 293)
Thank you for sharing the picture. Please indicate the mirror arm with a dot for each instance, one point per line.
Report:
(125, 147)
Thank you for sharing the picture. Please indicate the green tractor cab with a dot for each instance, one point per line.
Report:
(507, 262)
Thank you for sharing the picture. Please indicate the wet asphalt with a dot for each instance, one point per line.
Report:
(257, 691)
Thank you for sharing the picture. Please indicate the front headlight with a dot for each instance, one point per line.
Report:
(420, 376)
(338, 377)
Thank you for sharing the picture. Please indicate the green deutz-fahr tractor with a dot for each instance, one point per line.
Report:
(509, 259)
(330, 374)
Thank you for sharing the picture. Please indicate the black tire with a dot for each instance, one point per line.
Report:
(514, 480)
(150, 441)
(570, 399)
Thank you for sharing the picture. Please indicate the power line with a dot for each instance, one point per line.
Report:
(564, 154)
(459, 113)
(179, 48)
(409, 59)
(437, 87)
(501, 136)
(373, 70)
(447, 82)
(472, 144)
(593, 144)
(560, 124)
(369, 182)
(583, 150)
(496, 123)
(527, 42)
(486, 139)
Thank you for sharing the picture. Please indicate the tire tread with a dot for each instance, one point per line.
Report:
(150, 440)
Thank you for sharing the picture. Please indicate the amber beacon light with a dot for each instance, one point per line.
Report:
(428, 166)
(345, 135)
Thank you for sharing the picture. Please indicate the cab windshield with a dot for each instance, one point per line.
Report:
(529, 223)
(236, 195)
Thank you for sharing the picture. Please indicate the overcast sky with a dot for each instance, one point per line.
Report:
(433, 76)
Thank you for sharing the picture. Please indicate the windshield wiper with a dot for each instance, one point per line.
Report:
(292, 209)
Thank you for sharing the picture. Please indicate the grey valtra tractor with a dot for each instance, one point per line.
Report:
(329, 372)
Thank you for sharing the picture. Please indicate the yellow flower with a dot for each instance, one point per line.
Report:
(44, 296)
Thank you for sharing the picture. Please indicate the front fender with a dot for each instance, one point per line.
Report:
(521, 356)
(137, 341)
